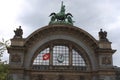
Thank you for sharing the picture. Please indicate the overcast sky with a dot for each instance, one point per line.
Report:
(90, 15)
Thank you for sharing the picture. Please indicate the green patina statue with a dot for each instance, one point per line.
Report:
(61, 17)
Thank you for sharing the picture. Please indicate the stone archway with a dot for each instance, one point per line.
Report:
(97, 55)
(65, 33)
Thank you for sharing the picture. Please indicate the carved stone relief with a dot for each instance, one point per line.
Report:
(106, 60)
(38, 77)
(15, 58)
(60, 77)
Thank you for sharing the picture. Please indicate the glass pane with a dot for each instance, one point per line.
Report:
(60, 55)
(77, 59)
(42, 58)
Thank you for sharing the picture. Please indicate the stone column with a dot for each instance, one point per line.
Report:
(16, 58)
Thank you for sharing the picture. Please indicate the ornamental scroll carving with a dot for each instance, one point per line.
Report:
(60, 77)
(15, 58)
(106, 60)
(38, 77)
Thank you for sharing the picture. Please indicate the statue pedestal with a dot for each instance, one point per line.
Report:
(17, 42)
(105, 45)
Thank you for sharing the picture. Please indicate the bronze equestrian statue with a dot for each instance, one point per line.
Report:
(61, 16)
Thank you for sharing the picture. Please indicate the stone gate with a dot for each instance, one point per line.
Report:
(61, 51)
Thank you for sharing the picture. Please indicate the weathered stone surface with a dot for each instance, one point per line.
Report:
(97, 55)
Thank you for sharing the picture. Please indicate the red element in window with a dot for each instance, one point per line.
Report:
(46, 56)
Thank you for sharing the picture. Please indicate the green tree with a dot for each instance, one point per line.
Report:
(3, 47)
(3, 71)
(3, 67)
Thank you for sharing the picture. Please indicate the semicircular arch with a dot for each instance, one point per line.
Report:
(54, 29)
(61, 32)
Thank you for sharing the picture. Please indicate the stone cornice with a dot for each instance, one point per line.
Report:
(106, 51)
(15, 48)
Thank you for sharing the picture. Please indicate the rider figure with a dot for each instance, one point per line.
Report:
(62, 8)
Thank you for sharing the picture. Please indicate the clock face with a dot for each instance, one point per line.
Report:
(60, 58)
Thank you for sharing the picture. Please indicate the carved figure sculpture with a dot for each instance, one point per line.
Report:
(61, 16)
(18, 32)
(103, 35)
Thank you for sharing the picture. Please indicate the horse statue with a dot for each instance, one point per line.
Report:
(61, 16)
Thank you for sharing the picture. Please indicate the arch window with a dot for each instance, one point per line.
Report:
(59, 55)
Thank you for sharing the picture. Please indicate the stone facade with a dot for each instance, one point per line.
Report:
(96, 53)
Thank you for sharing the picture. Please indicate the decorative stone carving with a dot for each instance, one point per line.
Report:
(106, 60)
(41, 77)
(81, 78)
(60, 77)
(15, 58)
(18, 32)
(38, 77)
(22, 65)
(103, 35)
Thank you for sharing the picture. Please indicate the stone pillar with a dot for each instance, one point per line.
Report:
(105, 54)
(16, 58)
(106, 69)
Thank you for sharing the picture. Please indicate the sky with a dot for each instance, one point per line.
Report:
(90, 15)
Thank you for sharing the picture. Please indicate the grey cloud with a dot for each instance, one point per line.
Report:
(86, 13)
